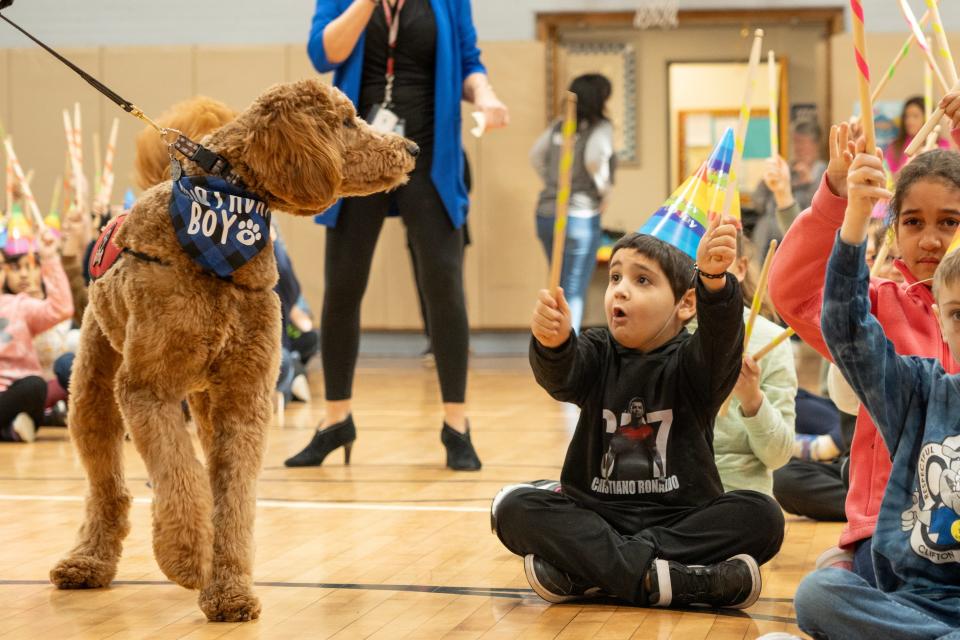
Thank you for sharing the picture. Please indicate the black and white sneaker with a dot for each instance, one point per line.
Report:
(546, 485)
(733, 583)
(554, 585)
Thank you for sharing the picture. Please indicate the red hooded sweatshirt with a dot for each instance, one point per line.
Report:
(903, 310)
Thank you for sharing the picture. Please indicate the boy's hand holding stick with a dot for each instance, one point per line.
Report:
(551, 324)
(866, 184)
(717, 250)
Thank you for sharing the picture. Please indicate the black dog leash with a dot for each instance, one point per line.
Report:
(209, 161)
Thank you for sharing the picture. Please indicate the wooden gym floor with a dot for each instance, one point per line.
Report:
(393, 546)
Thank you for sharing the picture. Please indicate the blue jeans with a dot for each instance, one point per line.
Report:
(835, 604)
(579, 258)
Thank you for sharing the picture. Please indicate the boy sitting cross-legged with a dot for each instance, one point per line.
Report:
(640, 512)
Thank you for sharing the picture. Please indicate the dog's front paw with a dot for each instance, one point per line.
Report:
(83, 572)
(229, 603)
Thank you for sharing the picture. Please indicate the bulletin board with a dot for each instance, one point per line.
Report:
(700, 130)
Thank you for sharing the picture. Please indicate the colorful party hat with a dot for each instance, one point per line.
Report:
(683, 218)
(18, 233)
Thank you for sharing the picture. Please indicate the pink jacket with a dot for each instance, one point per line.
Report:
(22, 317)
(796, 288)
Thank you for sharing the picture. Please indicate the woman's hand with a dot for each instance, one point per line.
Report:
(477, 89)
(495, 113)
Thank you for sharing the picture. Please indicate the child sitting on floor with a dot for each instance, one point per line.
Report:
(914, 403)
(640, 506)
(22, 391)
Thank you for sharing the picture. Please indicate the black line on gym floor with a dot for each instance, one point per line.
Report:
(489, 592)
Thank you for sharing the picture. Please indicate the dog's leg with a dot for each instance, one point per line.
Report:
(238, 416)
(149, 394)
(97, 431)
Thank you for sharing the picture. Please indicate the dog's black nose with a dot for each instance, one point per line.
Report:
(413, 149)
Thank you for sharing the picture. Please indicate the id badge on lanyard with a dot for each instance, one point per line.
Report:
(381, 116)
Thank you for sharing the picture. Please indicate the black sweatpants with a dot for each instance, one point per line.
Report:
(26, 395)
(582, 543)
(817, 490)
(438, 250)
(812, 489)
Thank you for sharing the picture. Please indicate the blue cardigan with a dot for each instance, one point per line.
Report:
(457, 57)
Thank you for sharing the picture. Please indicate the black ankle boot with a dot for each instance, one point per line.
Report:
(461, 456)
(324, 441)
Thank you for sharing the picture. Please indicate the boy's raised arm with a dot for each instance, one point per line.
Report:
(712, 357)
(799, 266)
(884, 381)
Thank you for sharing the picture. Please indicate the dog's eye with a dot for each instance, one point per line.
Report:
(349, 123)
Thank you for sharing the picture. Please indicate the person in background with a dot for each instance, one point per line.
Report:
(591, 179)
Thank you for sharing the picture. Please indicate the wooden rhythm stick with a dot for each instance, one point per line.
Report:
(97, 165)
(9, 185)
(32, 207)
(927, 90)
(759, 294)
(75, 167)
(914, 30)
(563, 189)
(741, 133)
(932, 121)
(863, 76)
(941, 35)
(882, 253)
(888, 75)
(105, 189)
(773, 344)
(774, 104)
(757, 302)
(55, 199)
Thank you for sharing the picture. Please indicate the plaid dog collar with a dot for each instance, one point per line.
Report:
(219, 225)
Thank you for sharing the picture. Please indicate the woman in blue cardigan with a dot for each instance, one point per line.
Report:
(406, 65)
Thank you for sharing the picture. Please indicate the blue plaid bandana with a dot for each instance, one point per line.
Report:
(220, 226)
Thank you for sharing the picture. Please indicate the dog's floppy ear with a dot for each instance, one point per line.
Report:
(295, 156)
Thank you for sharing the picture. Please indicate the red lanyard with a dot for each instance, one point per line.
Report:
(393, 28)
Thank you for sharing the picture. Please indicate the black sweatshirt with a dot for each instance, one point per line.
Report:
(643, 448)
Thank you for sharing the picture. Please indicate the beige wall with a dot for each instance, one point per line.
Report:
(505, 265)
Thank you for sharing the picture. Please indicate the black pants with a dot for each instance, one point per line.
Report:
(812, 489)
(438, 249)
(306, 345)
(817, 490)
(579, 541)
(27, 395)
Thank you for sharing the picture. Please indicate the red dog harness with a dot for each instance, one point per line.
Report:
(105, 251)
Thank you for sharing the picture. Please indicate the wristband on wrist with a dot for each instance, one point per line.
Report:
(709, 276)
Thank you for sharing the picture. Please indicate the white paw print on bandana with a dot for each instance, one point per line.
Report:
(248, 232)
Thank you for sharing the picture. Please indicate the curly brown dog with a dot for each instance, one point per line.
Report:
(160, 328)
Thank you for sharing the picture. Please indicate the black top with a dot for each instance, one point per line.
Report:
(643, 447)
(414, 68)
